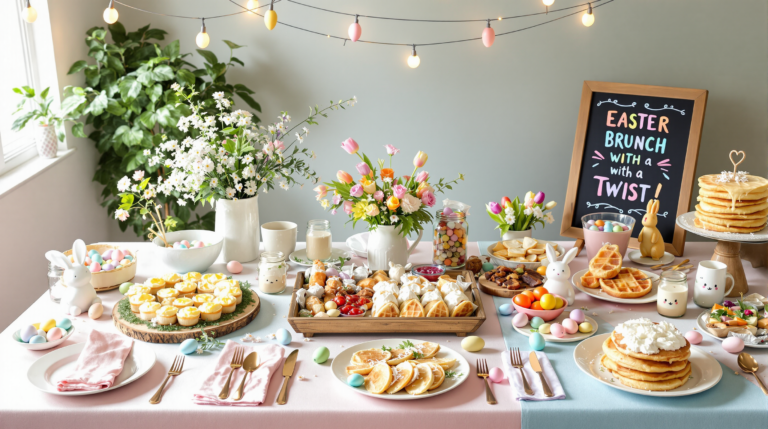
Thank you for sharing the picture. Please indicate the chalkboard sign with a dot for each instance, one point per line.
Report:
(630, 139)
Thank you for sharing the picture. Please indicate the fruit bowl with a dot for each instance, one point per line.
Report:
(545, 315)
(197, 259)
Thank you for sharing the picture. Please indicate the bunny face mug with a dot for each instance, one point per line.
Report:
(711, 283)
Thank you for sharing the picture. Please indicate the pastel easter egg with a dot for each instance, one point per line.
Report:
(693, 337)
(321, 313)
(64, 323)
(95, 311)
(56, 334)
(344, 276)
(577, 316)
(42, 333)
(97, 258)
(37, 339)
(95, 267)
(183, 246)
(330, 305)
(496, 374)
(536, 341)
(321, 355)
(117, 255)
(107, 254)
(127, 252)
(332, 272)
(536, 322)
(617, 228)
(234, 267)
(355, 380)
(505, 309)
(557, 330)
(608, 226)
(472, 343)
(545, 328)
(283, 336)
(731, 345)
(333, 313)
(600, 228)
(570, 326)
(27, 332)
(47, 325)
(487, 266)
(185, 242)
(188, 346)
(125, 262)
(129, 257)
(108, 267)
(520, 320)
(92, 252)
(199, 244)
(87, 260)
(594, 228)
(585, 327)
(590, 222)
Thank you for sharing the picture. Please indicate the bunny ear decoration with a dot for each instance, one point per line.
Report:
(58, 259)
(79, 251)
(656, 206)
(649, 208)
(570, 255)
(551, 255)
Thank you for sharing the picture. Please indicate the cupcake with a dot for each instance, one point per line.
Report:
(139, 299)
(137, 290)
(227, 302)
(186, 289)
(234, 291)
(188, 316)
(167, 293)
(202, 298)
(213, 278)
(192, 276)
(204, 287)
(166, 315)
(182, 302)
(154, 284)
(171, 279)
(148, 309)
(210, 311)
(229, 282)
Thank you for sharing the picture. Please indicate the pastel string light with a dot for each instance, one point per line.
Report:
(588, 18)
(270, 18)
(202, 39)
(29, 13)
(110, 13)
(355, 30)
(488, 35)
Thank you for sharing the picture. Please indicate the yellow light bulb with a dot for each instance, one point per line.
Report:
(202, 39)
(548, 2)
(29, 14)
(413, 61)
(588, 19)
(110, 15)
(252, 4)
(270, 19)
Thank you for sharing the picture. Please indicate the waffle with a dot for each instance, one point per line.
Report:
(630, 283)
(588, 280)
(436, 309)
(607, 263)
(387, 310)
(412, 308)
(463, 309)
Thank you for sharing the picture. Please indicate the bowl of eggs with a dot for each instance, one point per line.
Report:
(189, 250)
(45, 335)
(109, 265)
(539, 303)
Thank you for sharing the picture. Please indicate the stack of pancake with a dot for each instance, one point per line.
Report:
(729, 202)
(665, 370)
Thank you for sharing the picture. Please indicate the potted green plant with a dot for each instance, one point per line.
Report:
(49, 127)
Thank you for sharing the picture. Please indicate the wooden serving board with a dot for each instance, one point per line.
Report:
(492, 288)
(149, 335)
(461, 326)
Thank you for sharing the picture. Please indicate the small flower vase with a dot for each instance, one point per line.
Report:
(387, 244)
(517, 235)
(238, 222)
(45, 141)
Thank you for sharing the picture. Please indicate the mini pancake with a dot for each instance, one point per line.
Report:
(718, 228)
(655, 386)
(742, 210)
(647, 366)
(762, 214)
(754, 195)
(748, 223)
(662, 356)
(615, 368)
(727, 202)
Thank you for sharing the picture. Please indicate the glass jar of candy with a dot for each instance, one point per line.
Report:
(272, 272)
(450, 239)
(55, 285)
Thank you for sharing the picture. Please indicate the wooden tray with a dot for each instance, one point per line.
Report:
(149, 335)
(492, 288)
(461, 326)
(108, 280)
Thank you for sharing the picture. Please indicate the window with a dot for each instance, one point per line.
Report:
(29, 60)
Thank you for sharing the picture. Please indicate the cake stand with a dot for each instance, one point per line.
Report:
(731, 248)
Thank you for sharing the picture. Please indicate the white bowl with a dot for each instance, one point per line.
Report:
(41, 346)
(196, 259)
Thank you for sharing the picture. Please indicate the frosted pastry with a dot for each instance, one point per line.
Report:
(167, 293)
(166, 315)
(154, 284)
(210, 311)
(148, 309)
(203, 287)
(139, 299)
(137, 290)
(458, 304)
(201, 299)
(188, 316)
(233, 291)
(228, 303)
(415, 287)
(192, 276)
(171, 279)
(213, 278)
(385, 305)
(186, 289)
(447, 288)
(182, 302)
(316, 290)
(406, 294)
(387, 286)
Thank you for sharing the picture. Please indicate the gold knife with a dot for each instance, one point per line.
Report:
(288, 366)
(536, 367)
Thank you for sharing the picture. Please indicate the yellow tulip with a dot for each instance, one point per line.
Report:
(420, 159)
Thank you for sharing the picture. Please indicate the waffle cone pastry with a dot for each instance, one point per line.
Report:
(371, 356)
(617, 369)
(412, 308)
(630, 283)
(402, 375)
(423, 382)
(436, 309)
(607, 263)
(379, 379)
(388, 309)
(463, 309)
(681, 354)
(643, 365)
(588, 280)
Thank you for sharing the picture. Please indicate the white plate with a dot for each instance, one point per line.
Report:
(637, 257)
(49, 369)
(300, 257)
(359, 244)
(530, 265)
(461, 367)
(41, 346)
(685, 221)
(701, 321)
(599, 294)
(705, 369)
(569, 338)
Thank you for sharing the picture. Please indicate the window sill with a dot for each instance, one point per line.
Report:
(21, 174)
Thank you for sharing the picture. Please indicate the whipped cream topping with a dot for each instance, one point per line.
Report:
(415, 287)
(386, 286)
(644, 336)
(449, 287)
(316, 290)
(381, 298)
(455, 298)
(430, 296)
(406, 294)
(427, 287)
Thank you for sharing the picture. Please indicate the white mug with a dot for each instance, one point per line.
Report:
(279, 237)
(710, 284)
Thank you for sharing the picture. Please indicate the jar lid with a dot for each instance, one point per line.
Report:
(674, 276)
(272, 256)
(453, 216)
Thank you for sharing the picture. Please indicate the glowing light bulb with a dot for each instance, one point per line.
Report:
(414, 60)
(203, 39)
(355, 31)
(488, 35)
(548, 2)
(29, 14)
(252, 4)
(588, 18)
(270, 18)
(110, 13)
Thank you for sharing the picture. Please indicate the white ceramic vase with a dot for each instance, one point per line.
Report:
(45, 141)
(386, 244)
(517, 235)
(238, 222)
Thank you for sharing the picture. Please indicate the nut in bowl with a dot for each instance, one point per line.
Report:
(539, 303)
(196, 259)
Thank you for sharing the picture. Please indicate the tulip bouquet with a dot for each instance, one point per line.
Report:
(512, 215)
(380, 198)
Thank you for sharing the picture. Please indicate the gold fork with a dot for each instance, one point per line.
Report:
(517, 362)
(482, 372)
(237, 362)
(178, 364)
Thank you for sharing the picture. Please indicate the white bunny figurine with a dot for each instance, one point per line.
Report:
(396, 270)
(79, 294)
(559, 274)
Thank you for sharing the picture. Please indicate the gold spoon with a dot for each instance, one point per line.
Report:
(249, 365)
(748, 364)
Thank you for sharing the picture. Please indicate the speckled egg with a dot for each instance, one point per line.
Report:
(64, 323)
(506, 309)
(355, 380)
(333, 313)
(545, 328)
(693, 337)
(577, 316)
(188, 347)
(496, 375)
(570, 326)
(557, 330)
(731, 344)
(520, 320)
(472, 343)
(124, 287)
(56, 334)
(283, 337)
(27, 332)
(536, 341)
(47, 325)
(95, 311)
(234, 267)
(585, 327)
(321, 355)
(37, 339)
(536, 322)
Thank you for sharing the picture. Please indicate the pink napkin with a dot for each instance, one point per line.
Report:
(516, 380)
(100, 362)
(255, 390)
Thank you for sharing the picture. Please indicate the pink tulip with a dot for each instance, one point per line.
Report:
(539, 198)
(406, 178)
(356, 191)
(378, 196)
(428, 198)
(391, 150)
(279, 145)
(350, 146)
(494, 207)
(399, 191)
(336, 198)
(422, 176)
(322, 191)
(363, 169)
(344, 177)
(348, 207)
(420, 159)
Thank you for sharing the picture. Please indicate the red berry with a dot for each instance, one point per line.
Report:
(352, 298)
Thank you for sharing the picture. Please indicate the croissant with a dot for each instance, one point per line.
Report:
(368, 283)
(317, 278)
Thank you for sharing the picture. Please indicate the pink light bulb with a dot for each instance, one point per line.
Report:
(355, 31)
(488, 35)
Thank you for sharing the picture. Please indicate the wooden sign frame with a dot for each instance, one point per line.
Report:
(699, 98)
